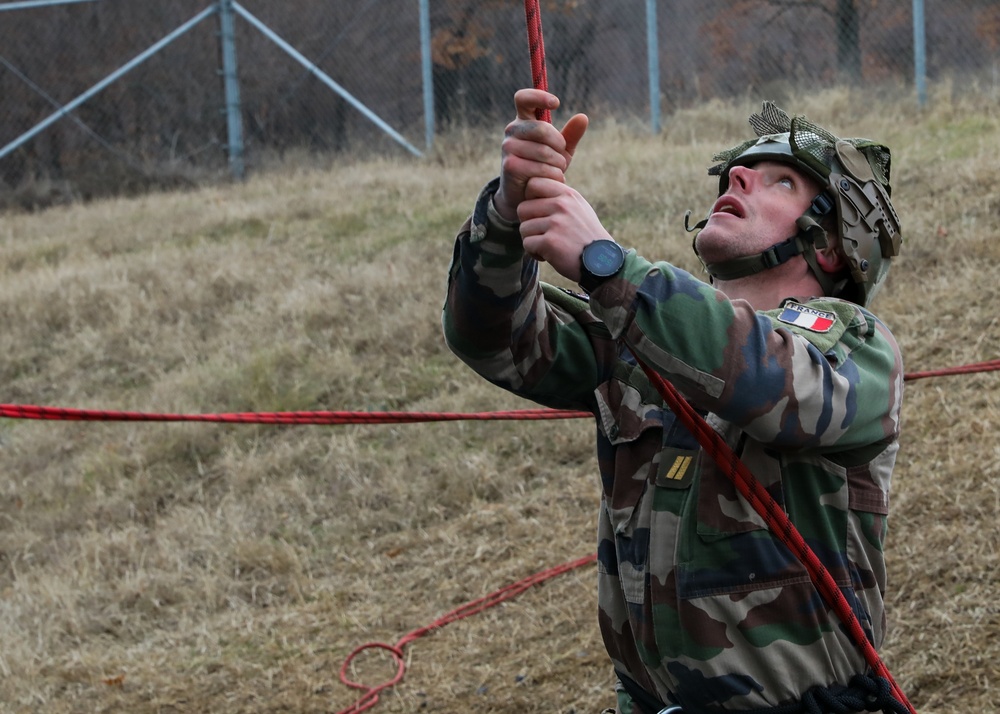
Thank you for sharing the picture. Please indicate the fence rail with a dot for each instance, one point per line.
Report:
(106, 96)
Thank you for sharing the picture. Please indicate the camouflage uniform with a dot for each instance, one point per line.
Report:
(699, 603)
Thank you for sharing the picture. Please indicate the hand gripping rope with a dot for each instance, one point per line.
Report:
(729, 463)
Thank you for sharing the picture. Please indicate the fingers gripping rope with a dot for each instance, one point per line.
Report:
(727, 460)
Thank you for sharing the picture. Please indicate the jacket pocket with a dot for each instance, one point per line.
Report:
(726, 547)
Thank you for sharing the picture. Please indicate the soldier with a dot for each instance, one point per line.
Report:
(702, 609)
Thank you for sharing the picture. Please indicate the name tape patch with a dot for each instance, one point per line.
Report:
(792, 313)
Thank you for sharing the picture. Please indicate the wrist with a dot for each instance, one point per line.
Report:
(502, 211)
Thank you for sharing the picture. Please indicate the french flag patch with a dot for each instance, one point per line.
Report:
(793, 313)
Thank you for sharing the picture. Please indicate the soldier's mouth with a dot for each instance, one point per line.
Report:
(729, 206)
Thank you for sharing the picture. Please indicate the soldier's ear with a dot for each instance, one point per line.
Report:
(831, 260)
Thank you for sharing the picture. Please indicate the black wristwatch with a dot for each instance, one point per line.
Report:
(598, 262)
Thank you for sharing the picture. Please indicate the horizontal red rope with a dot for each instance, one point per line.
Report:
(328, 418)
(988, 366)
(371, 695)
(21, 411)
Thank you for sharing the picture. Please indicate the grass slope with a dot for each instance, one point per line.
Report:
(210, 568)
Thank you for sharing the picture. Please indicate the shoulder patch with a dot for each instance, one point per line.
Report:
(822, 322)
(808, 318)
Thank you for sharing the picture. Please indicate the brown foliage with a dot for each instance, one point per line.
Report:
(988, 26)
(164, 119)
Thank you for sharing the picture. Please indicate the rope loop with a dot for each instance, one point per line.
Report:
(371, 695)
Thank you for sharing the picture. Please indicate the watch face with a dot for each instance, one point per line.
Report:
(603, 258)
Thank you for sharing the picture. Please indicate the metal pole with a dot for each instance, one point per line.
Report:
(27, 4)
(653, 51)
(231, 82)
(325, 79)
(428, 72)
(920, 52)
(127, 67)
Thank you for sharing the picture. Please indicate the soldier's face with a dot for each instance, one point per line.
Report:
(758, 209)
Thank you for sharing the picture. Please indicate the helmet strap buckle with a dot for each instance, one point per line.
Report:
(822, 204)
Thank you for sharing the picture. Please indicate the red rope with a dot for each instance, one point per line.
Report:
(744, 481)
(332, 418)
(371, 696)
(758, 497)
(778, 522)
(22, 411)
(987, 366)
(536, 48)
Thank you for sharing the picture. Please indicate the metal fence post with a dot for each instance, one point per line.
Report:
(919, 52)
(231, 83)
(428, 72)
(653, 51)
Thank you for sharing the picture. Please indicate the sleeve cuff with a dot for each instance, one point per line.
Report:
(498, 221)
(487, 222)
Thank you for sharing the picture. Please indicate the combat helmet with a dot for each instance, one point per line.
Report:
(854, 202)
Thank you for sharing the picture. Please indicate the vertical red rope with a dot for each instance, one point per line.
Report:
(727, 461)
(778, 522)
(536, 47)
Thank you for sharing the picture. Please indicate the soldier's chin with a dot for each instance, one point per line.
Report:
(714, 246)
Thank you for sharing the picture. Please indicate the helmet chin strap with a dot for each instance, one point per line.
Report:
(809, 237)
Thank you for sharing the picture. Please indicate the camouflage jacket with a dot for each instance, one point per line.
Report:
(699, 603)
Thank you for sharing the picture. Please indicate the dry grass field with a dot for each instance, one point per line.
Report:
(185, 567)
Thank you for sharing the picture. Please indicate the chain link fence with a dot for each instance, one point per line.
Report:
(117, 96)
